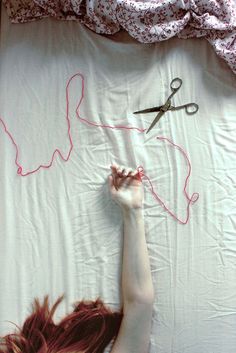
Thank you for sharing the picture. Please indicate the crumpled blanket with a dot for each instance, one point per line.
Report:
(147, 21)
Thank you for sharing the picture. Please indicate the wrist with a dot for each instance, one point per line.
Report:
(132, 212)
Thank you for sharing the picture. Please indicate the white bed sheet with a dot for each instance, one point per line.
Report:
(61, 233)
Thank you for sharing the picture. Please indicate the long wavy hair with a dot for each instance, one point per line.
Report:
(88, 329)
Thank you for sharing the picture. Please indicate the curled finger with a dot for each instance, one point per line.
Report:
(121, 170)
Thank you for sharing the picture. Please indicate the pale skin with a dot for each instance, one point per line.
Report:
(137, 289)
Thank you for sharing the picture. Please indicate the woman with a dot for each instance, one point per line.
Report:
(91, 326)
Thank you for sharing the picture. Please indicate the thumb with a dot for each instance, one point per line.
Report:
(111, 184)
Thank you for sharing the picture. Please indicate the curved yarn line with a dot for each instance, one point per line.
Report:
(191, 200)
(140, 169)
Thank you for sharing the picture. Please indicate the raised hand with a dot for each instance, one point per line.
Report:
(126, 187)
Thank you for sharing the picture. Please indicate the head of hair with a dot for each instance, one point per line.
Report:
(88, 329)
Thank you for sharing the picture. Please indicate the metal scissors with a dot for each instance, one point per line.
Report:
(190, 108)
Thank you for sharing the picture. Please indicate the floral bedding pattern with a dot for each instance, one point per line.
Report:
(148, 21)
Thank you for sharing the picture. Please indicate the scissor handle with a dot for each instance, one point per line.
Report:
(175, 85)
(190, 108)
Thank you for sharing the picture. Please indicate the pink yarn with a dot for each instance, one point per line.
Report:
(190, 199)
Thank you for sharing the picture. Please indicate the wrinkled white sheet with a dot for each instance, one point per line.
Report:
(59, 230)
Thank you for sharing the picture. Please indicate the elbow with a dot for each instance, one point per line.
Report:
(146, 298)
(140, 306)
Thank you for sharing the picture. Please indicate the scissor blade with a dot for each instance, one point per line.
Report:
(157, 118)
(149, 110)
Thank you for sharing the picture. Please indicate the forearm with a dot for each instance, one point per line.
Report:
(136, 273)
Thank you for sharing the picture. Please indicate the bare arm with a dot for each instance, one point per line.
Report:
(137, 288)
(136, 275)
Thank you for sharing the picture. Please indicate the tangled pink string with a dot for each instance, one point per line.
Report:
(190, 199)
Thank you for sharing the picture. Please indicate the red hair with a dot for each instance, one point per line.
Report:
(89, 328)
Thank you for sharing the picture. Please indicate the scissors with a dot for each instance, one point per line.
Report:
(190, 108)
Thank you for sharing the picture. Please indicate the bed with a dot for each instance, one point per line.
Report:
(60, 231)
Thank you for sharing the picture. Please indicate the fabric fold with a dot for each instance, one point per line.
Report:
(146, 21)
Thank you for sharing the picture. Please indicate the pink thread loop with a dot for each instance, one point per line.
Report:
(140, 169)
(194, 197)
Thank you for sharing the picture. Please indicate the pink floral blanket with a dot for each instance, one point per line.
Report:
(148, 21)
